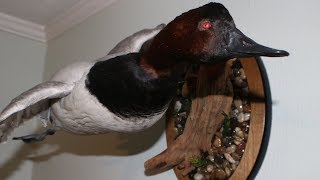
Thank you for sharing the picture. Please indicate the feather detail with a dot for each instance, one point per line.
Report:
(18, 118)
(29, 104)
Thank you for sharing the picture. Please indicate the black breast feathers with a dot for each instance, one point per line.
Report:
(126, 89)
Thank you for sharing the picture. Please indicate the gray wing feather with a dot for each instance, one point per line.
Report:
(29, 104)
(46, 90)
(134, 42)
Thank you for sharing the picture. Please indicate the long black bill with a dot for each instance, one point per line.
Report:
(241, 46)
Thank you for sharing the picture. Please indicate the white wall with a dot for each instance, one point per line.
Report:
(287, 24)
(21, 67)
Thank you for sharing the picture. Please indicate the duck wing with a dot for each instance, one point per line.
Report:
(29, 104)
(134, 42)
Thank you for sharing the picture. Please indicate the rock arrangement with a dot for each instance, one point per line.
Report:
(229, 142)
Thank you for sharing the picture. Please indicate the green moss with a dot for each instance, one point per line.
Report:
(198, 161)
(227, 131)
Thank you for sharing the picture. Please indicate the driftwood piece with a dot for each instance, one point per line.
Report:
(212, 96)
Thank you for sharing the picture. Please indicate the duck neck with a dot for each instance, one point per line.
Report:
(161, 65)
(166, 54)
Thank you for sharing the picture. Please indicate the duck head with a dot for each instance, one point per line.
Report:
(206, 34)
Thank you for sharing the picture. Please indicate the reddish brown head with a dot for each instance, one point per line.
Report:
(205, 34)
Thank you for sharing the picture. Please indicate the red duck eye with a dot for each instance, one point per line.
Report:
(206, 25)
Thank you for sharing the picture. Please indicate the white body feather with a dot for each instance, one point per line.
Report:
(72, 107)
(82, 113)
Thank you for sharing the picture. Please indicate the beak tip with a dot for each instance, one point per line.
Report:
(282, 53)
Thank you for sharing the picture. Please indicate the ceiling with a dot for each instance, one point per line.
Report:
(43, 20)
(37, 11)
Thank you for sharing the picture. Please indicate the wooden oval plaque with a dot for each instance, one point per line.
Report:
(258, 135)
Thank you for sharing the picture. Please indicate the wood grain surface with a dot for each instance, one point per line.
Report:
(257, 122)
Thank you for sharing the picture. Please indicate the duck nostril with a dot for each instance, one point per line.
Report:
(247, 44)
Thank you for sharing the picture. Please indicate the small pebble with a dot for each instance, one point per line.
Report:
(177, 121)
(236, 142)
(201, 170)
(183, 121)
(241, 148)
(238, 104)
(225, 164)
(217, 142)
(246, 108)
(227, 141)
(210, 152)
(234, 166)
(222, 150)
(209, 168)
(213, 150)
(220, 174)
(236, 156)
(240, 133)
(245, 136)
(247, 116)
(234, 113)
(238, 138)
(211, 158)
(175, 130)
(236, 72)
(177, 106)
(245, 100)
(231, 149)
(229, 158)
(183, 114)
(244, 84)
(241, 117)
(221, 130)
(237, 129)
(245, 127)
(180, 129)
(242, 74)
(185, 90)
(245, 91)
(192, 173)
(198, 176)
(238, 81)
(218, 158)
(228, 171)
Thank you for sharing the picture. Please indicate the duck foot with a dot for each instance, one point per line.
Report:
(35, 137)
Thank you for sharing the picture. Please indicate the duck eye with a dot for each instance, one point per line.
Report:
(206, 25)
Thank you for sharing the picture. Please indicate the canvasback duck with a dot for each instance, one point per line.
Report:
(131, 89)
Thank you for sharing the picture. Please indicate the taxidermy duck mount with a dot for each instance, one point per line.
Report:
(131, 89)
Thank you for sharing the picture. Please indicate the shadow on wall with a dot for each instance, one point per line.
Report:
(14, 163)
(114, 144)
